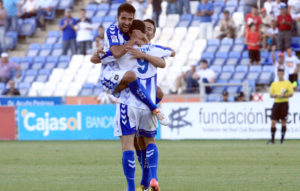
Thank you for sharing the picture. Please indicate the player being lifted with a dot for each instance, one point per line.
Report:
(118, 43)
(131, 114)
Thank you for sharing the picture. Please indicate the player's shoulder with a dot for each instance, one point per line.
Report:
(160, 47)
(112, 29)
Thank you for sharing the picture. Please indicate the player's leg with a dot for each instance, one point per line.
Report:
(274, 117)
(128, 160)
(140, 148)
(152, 159)
(129, 80)
(125, 128)
(283, 130)
(284, 113)
(159, 95)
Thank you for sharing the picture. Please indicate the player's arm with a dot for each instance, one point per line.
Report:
(155, 61)
(119, 50)
(272, 91)
(273, 54)
(95, 59)
(290, 90)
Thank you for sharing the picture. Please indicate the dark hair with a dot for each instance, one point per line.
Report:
(126, 7)
(152, 22)
(137, 25)
(280, 70)
(204, 61)
(83, 10)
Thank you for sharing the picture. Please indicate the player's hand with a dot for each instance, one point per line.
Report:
(135, 53)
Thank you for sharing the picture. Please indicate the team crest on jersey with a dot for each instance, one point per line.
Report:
(114, 38)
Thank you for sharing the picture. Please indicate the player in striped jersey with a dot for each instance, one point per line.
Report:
(117, 43)
(131, 113)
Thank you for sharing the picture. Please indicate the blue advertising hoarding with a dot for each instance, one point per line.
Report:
(28, 101)
(67, 122)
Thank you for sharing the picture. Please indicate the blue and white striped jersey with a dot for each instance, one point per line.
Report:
(114, 36)
(145, 71)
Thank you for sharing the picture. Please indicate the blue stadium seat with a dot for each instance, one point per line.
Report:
(97, 20)
(186, 17)
(245, 61)
(239, 75)
(264, 55)
(240, 41)
(232, 3)
(113, 12)
(24, 88)
(51, 16)
(218, 90)
(219, 4)
(213, 98)
(216, 68)
(245, 54)
(268, 68)
(101, 13)
(265, 78)
(51, 62)
(52, 37)
(227, 41)
(195, 22)
(52, 59)
(90, 10)
(225, 76)
(232, 61)
(228, 68)
(33, 50)
(37, 66)
(11, 40)
(295, 43)
(219, 61)
(232, 90)
(184, 24)
(65, 58)
(16, 60)
(241, 68)
(110, 19)
(30, 75)
(25, 63)
(27, 28)
(208, 55)
(115, 6)
(103, 7)
(214, 42)
(46, 50)
(43, 75)
(211, 48)
(255, 69)
(86, 92)
(221, 81)
(64, 4)
(222, 55)
(57, 50)
(253, 76)
(234, 55)
(224, 48)
(238, 48)
(2, 87)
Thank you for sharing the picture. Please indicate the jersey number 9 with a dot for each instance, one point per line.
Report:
(143, 66)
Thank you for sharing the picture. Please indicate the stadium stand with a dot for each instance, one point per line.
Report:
(46, 72)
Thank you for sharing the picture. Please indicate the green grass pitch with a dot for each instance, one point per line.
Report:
(183, 166)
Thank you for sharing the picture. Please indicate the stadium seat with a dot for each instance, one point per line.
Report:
(245, 61)
(30, 75)
(214, 42)
(64, 4)
(61, 89)
(245, 54)
(2, 87)
(226, 41)
(265, 78)
(52, 37)
(216, 68)
(223, 55)
(255, 69)
(239, 41)
(112, 12)
(224, 48)
(233, 54)
(115, 6)
(27, 28)
(57, 50)
(253, 76)
(208, 56)
(238, 48)
(46, 50)
(11, 39)
(295, 43)
(16, 60)
(43, 75)
(239, 75)
(211, 48)
(213, 97)
(232, 90)
(225, 76)
(91, 10)
(268, 69)
(33, 50)
(24, 88)
(232, 61)
(218, 90)
(103, 7)
(228, 68)
(25, 63)
(241, 68)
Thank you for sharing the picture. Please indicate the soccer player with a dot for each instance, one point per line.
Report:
(131, 114)
(118, 43)
(144, 138)
(281, 90)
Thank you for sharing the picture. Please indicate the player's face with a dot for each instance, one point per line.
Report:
(280, 75)
(149, 31)
(124, 21)
(289, 52)
(281, 59)
(82, 14)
